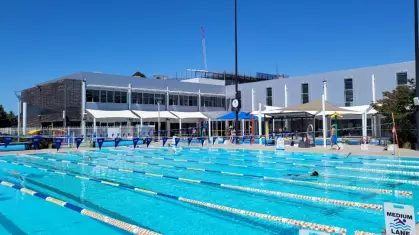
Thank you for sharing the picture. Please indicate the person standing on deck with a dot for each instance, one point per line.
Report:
(334, 138)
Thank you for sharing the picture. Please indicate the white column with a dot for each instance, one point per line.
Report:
(83, 108)
(129, 95)
(242, 127)
(209, 129)
(374, 118)
(18, 118)
(260, 123)
(324, 121)
(24, 118)
(168, 127)
(180, 126)
(94, 127)
(141, 123)
(325, 89)
(273, 126)
(286, 105)
(167, 98)
(253, 100)
(199, 100)
(364, 124)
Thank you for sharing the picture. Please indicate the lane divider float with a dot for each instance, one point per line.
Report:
(94, 215)
(282, 220)
(240, 188)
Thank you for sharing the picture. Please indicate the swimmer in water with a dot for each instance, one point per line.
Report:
(173, 150)
(14, 173)
(314, 173)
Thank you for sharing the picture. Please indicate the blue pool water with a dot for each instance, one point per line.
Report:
(25, 214)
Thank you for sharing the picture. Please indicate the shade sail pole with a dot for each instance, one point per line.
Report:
(324, 121)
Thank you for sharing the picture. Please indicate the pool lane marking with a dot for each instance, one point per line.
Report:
(97, 216)
(373, 170)
(365, 233)
(248, 189)
(355, 188)
(298, 223)
(413, 182)
(391, 165)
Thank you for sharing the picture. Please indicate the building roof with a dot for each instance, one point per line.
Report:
(154, 114)
(104, 114)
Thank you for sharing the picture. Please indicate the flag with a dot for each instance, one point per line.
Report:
(202, 141)
(189, 140)
(78, 141)
(100, 142)
(36, 140)
(148, 141)
(164, 141)
(117, 140)
(58, 142)
(176, 141)
(135, 142)
(213, 140)
(7, 141)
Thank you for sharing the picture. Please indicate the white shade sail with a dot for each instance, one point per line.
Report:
(103, 114)
(187, 115)
(154, 114)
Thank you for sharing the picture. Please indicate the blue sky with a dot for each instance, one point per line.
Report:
(42, 40)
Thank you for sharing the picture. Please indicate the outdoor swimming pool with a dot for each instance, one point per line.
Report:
(196, 191)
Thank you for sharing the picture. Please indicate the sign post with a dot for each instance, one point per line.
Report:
(400, 219)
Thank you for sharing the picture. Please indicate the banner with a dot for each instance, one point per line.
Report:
(202, 141)
(117, 140)
(7, 141)
(177, 141)
(164, 141)
(100, 142)
(78, 141)
(135, 142)
(244, 138)
(233, 140)
(189, 140)
(224, 139)
(213, 140)
(58, 142)
(148, 141)
(36, 140)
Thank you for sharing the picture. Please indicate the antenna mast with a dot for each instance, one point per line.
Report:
(204, 50)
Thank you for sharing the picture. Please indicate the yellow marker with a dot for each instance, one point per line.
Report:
(109, 183)
(56, 201)
(189, 180)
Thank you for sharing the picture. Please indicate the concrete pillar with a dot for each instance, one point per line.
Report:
(24, 118)
(287, 123)
(129, 95)
(253, 100)
(167, 98)
(199, 100)
(260, 119)
(83, 108)
(94, 127)
(324, 121)
(209, 129)
(325, 89)
(180, 126)
(168, 127)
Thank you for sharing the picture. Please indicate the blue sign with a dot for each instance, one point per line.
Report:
(213, 140)
(135, 141)
(177, 141)
(202, 141)
(58, 142)
(117, 140)
(148, 141)
(36, 140)
(189, 140)
(100, 142)
(7, 141)
(164, 141)
(78, 141)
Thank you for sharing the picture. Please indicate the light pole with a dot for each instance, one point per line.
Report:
(417, 70)
(19, 99)
(236, 127)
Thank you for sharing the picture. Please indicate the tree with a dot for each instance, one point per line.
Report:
(400, 103)
(139, 74)
(12, 119)
(4, 117)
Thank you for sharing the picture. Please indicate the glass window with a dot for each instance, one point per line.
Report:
(89, 95)
(161, 98)
(348, 92)
(117, 97)
(193, 100)
(103, 96)
(134, 98)
(148, 98)
(123, 97)
(109, 97)
(184, 101)
(401, 79)
(305, 97)
(269, 96)
(140, 98)
(96, 95)
(173, 99)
